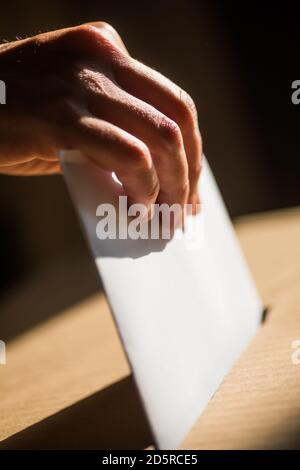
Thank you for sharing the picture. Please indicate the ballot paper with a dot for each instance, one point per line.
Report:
(185, 308)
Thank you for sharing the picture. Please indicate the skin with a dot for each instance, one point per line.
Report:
(79, 88)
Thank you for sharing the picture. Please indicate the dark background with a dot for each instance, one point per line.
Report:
(237, 60)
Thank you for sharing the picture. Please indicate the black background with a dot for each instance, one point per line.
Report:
(237, 60)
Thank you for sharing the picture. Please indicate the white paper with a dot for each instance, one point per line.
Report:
(185, 312)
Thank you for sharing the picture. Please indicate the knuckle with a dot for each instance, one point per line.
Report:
(107, 27)
(83, 31)
(91, 81)
(190, 105)
(187, 110)
(140, 158)
(90, 37)
(71, 36)
(170, 132)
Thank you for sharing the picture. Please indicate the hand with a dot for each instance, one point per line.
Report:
(79, 88)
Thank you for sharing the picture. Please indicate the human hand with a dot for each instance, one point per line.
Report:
(79, 88)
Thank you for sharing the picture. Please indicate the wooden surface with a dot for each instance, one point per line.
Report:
(67, 385)
(258, 405)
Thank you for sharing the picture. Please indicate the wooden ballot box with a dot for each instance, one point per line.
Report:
(67, 384)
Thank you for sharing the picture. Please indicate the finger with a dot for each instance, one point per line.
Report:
(115, 150)
(155, 89)
(161, 135)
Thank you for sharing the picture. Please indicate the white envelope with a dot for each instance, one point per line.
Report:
(185, 309)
